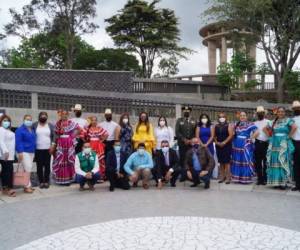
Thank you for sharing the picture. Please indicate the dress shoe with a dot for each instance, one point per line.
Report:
(207, 185)
(111, 189)
(295, 189)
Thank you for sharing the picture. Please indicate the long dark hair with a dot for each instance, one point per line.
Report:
(276, 119)
(208, 124)
(121, 123)
(140, 122)
(164, 119)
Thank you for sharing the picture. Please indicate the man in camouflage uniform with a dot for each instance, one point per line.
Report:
(185, 131)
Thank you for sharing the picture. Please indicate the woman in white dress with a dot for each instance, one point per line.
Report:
(163, 132)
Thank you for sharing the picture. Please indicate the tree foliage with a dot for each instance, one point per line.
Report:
(230, 74)
(168, 67)
(276, 25)
(147, 30)
(106, 59)
(64, 18)
(292, 81)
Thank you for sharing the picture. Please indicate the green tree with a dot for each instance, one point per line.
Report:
(106, 59)
(274, 23)
(42, 50)
(147, 30)
(168, 66)
(292, 81)
(231, 74)
(67, 18)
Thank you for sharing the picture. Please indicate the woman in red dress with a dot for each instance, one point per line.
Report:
(64, 149)
(95, 134)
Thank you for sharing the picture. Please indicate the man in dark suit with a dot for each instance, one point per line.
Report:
(114, 170)
(199, 164)
(167, 165)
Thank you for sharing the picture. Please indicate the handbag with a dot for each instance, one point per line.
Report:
(21, 177)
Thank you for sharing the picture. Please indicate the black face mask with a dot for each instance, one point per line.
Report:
(296, 112)
(186, 114)
(196, 146)
(260, 116)
(43, 119)
(108, 118)
(78, 114)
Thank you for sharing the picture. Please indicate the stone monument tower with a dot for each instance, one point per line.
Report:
(217, 36)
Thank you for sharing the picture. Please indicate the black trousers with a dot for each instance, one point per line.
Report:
(260, 159)
(43, 159)
(160, 172)
(7, 174)
(116, 182)
(297, 163)
(182, 153)
(109, 146)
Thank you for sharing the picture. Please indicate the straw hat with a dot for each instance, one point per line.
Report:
(107, 112)
(260, 109)
(296, 105)
(77, 107)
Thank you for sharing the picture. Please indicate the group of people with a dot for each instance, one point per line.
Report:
(87, 151)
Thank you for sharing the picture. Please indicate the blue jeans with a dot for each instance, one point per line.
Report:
(82, 180)
(197, 178)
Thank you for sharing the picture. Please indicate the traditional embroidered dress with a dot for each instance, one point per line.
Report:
(94, 135)
(126, 133)
(142, 135)
(280, 152)
(242, 166)
(64, 158)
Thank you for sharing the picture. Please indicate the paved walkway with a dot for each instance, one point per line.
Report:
(30, 217)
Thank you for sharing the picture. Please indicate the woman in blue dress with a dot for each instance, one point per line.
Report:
(242, 166)
(205, 132)
(280, 151)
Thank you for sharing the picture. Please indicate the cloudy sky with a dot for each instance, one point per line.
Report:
(188, 11)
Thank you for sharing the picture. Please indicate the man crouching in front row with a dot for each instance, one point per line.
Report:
(199, 164)
(87, 167)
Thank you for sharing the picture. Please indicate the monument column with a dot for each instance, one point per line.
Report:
(223, 51)
(212, 57)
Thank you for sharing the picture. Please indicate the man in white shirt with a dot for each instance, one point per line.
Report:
(296, 142)
(110, 126)
(261, 146)
(82, 123)
(87, 167)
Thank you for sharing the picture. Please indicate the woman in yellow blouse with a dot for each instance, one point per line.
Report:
(144, 133)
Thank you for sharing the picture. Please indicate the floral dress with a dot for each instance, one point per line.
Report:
(126, 133)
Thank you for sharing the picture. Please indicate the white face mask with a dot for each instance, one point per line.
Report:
(125, 120)
(204, 120)
(87, 151)
(162, 123)
(222, 119)
(165, 149)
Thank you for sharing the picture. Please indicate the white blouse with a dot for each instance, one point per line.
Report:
(7, 143)
(43, 137)
(164, 134)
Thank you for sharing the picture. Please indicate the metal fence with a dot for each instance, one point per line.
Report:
(76, 79)
(15, 99)
(99, 104)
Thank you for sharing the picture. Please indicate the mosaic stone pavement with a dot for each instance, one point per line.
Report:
(171, 233)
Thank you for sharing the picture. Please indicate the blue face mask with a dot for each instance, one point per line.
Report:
(6, 124)
(117, 148)
(27, 123)
(141, 151)
(165, 149)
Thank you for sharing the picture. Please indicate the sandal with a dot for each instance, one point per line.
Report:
(28, 190)
(9, 192)
(145, 186)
